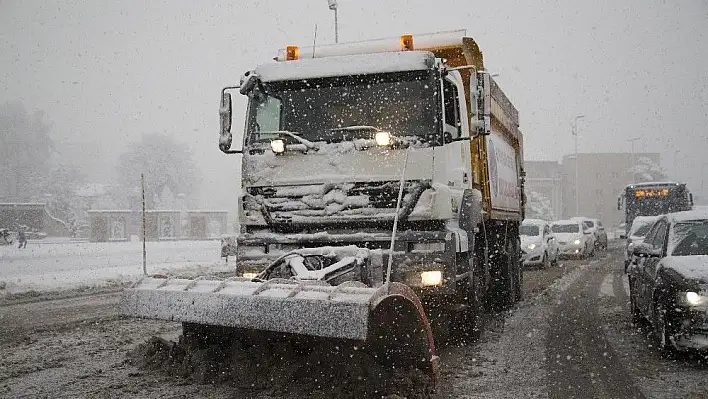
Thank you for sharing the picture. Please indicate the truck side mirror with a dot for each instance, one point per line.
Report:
(225, 111)
(619, 203)
(690, 198)
(481, 104)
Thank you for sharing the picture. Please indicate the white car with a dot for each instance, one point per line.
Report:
(639, 229)
(574, 239)
(538, 244)
(591, 225)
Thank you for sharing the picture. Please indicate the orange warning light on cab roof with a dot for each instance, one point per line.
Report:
(406, 42)
(292, 53)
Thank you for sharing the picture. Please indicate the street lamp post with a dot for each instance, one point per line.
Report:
(333, 6)
(634, 160)
(577, 183)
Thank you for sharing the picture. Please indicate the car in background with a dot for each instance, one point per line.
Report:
(640, 227)
(620, 231)
(668, 281)
(574, 239)
(538, 244)
(591, 224)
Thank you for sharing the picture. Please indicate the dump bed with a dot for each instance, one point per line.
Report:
(498, 158)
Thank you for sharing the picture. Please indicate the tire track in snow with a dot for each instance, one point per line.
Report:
(579, 361)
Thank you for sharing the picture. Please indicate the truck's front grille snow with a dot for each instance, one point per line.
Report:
(335, 202)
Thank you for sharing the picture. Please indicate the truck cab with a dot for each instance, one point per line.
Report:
(335, 134)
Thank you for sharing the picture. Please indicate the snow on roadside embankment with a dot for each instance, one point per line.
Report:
(45, 267)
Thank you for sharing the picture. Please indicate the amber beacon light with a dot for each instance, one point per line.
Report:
(406, 42)
(292, 53)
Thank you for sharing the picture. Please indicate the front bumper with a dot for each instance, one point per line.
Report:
(531, 257)
(256, 251)
(693, 334)
(571, 249)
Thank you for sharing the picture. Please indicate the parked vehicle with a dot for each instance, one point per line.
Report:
(539, 246)
(574, 239)
(668, 281)
(640, 228)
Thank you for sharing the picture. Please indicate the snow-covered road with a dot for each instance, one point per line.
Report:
(44, 266)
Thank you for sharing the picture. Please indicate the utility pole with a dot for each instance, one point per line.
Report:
(577, 183)
(333, 6)
(634, 160)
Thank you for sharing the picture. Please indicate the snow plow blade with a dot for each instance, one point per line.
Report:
(390, 321)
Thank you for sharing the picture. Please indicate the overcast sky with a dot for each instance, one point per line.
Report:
(106, 72)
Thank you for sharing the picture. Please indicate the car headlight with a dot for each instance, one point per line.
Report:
(694, 299)
(532, 246)
(430, 278)
(576, 242)
(278, 146)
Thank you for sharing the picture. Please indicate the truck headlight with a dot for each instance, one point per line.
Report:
(382, 138)
(430, 278)
(531, 246)
(576, 242)
(693, 298)
(249, 275)
(278, 146)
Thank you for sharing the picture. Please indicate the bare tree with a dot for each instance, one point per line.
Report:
(168, 167)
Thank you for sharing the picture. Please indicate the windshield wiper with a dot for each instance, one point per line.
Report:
(355, 128)
(307, 143)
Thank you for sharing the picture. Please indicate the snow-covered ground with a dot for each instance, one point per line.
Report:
(49, 266)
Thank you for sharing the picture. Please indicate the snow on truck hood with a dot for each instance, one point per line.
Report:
(690, 267)
(336, 163)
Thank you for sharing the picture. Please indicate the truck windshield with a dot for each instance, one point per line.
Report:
(332, 109)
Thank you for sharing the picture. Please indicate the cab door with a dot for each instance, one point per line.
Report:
(453, 161)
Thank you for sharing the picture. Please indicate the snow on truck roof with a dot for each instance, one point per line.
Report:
(422, 41)
(346, 65)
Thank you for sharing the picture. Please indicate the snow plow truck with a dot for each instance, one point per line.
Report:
(382, 193)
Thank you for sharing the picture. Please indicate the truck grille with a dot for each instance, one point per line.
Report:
(326, 203)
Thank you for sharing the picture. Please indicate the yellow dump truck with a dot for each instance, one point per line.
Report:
(382, 192)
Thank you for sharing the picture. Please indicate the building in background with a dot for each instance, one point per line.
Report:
(544, 196)
(602, 178)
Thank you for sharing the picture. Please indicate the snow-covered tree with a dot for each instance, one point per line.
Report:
(538, 206)
(168, 167)
(645, 170)
(25, 152)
